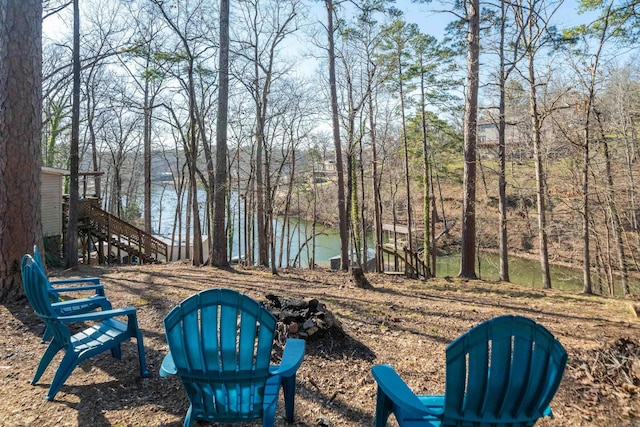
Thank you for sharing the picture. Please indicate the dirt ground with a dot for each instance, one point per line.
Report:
(406, 323)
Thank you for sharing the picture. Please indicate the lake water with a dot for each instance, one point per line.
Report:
(522, 271)
(297, 246)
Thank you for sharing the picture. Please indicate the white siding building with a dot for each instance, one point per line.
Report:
(51, 201)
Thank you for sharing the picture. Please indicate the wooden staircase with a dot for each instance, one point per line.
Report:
(408, 263)
(95, 224)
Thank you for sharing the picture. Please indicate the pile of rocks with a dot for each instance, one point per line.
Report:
(302, 319)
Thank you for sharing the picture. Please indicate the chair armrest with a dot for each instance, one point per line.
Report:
(99, 315)
(168, 366)
(390, 383)
(93, 299)
(291, 358)
(91, 283)
(99, 288)
(94, 280)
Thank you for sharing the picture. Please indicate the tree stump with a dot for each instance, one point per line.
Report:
(635, 309)
(359, 279)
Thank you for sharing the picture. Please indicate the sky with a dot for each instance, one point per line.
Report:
(430, 17)
(432, 21)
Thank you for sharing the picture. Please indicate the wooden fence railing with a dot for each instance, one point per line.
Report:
(408, 263)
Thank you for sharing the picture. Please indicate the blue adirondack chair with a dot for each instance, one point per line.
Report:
(503, 372)
(106, 334)
(68, 307)
(220, 345)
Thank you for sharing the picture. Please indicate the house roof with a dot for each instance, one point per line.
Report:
(64, 172)
(54, 171)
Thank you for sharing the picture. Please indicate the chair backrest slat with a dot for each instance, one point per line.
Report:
(521, 380)
(208, 337)
(248, 333)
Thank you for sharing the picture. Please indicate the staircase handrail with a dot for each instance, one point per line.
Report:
(409, 263)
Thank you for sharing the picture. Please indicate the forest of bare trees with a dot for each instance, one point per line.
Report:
(512, 131)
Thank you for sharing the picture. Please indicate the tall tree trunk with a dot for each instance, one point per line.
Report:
(467, 264)
(188, 212)
(219, 254)
(210, 182)
(263, 253)
(426, 201)
(71, 240)
(269, 211)
(629, 161)
(315, 215)
(377, 202)
(91, 108)
(147, 156)
(342, 212)
(502, 180)
(20, 133)
(354, 206)
(615, 216)
(540, 177)
(193, 167)
(363, 208)
(531, 23)
(405, 144)
(586, 256)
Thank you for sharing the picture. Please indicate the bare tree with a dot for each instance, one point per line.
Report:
(148, 79)
(219, 249)
(71, 238)
(335, 125)
(506, 67)
(191, 38)
(268, 25)
(468, 252)
(608, 27)
(532, 18)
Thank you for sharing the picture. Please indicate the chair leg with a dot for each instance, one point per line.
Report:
(68, 364)
(384, 407)
(46, 335)
(188, 422)
(116, 352)
(270, 400)
(268, 419)
(143, 364)
(51, 351)
(289, 391)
